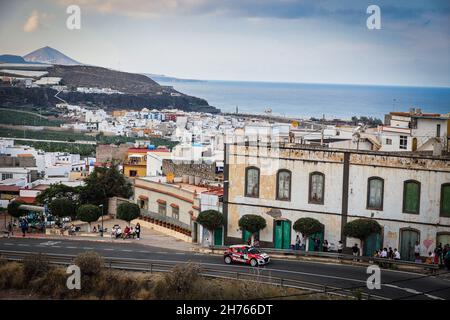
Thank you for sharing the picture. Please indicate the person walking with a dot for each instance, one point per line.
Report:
(355, 251)
(447, 260)
(10, 229)
(340, 246)
(396, 254)
(325, 246)
(137, 229)
(417, 252)
(24, 226)
(317, 244)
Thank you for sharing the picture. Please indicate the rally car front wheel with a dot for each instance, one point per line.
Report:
(227, 260)
(253, 262)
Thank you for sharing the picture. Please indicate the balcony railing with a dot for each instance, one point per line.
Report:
(165, 219)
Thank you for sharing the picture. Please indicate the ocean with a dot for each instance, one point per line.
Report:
(313, 100)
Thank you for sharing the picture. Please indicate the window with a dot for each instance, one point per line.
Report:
(133, 173)
(284, 185)
(411, 196)
(162, 209)
(316, 187)
(445, 200)
(388, 141)
(176, 213)
(252, 182)
(375, 195)
(142, 204)
(7, 176)
(403, 142)
(438, 130)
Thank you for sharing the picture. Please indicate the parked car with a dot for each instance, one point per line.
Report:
(245, 254)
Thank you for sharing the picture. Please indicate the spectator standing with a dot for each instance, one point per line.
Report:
(340, 246)
(138, 231)
(417, 251)
(325, 246)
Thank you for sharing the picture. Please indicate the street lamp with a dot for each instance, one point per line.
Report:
(101, 232)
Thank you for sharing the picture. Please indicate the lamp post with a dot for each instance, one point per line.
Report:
(101, 232)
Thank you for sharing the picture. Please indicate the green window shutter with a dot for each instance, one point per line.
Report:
(445, 200)
(412, 197)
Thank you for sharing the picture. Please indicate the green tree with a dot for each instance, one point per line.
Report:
(88, 213)
(252, 223)
(128, 211)
(56, 191)
(63, 207)
(14, 210)
(307, 227)
(211, 220)
(104, 183)
(361, 229)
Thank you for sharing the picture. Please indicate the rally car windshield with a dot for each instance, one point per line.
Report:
(253, 250)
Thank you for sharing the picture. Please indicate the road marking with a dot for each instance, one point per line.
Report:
(143, 251)
(8, 244)
(126, 250)
(71, 247)
(180, 253)
(108, 249)
(49, 243)
(87, 248)
(162, 252)
(434, 297)
(23, 245)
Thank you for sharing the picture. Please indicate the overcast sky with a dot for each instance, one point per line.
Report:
(262, 40)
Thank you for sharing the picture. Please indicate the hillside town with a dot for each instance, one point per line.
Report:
(397, 174)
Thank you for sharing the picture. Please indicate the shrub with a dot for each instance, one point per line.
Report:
(52, 284)
(35, 266)
(11, 276)
(210, 219)
(128, 211)
(13, 209)
(90, 263)
(307, 226)
(182, 282)
(361, 229)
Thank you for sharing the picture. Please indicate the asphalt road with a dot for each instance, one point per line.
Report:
(394, 284)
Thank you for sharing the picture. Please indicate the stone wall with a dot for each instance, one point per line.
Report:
(202, 170)
(22, 162)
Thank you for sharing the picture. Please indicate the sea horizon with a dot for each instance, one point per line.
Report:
(305, 100)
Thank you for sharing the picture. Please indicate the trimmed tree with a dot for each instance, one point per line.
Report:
(210, 220)
(307, 227)
(63, 207)
(14, 211)
(128, 211)
(361, 229)
(88, 213)
(252, 223)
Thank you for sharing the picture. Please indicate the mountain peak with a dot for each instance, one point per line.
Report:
(50, 55)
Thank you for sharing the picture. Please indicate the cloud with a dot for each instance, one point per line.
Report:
(344, 10)
(32, 23)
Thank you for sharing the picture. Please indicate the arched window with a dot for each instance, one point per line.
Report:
(375, 193)
(411, 196)
(284, 185)
(252, 182)
(445, 200)
(316, 187)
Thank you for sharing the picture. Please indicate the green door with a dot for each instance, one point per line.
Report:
(408, 240)
(218, 236)
(372, 243)
(282, 237)
(245, 235)
(312, 238)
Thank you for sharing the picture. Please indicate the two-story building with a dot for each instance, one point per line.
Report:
(409, 195)
(135, 164)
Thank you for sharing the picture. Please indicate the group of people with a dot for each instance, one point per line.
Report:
(439, 256)
(387, 253)
(127, 233)
(318, 245)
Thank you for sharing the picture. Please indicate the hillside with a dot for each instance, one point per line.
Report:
(51, 56)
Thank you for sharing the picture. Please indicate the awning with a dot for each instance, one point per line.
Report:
(160, 201)
(141, 197)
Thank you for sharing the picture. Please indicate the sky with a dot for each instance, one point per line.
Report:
(317, 41)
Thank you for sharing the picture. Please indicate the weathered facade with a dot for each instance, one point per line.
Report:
(409, 195)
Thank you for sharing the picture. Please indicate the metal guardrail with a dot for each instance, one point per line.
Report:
(166, 219)
(151, 266)
(340, 256)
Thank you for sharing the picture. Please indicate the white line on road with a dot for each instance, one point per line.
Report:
(23, 245)
(180, 253)
(108, 249)
(71, 247)
(87, 248)
(8, 244)
(143, 251)
(162, 252)
(126, 250)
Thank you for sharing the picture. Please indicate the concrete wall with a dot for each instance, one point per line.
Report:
(203, 170)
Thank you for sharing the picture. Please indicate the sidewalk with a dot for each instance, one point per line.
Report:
(148, 237)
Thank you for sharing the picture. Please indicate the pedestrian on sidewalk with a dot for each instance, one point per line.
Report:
(137, 229)
(10, 229)
(355, 251)
(24, 226)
